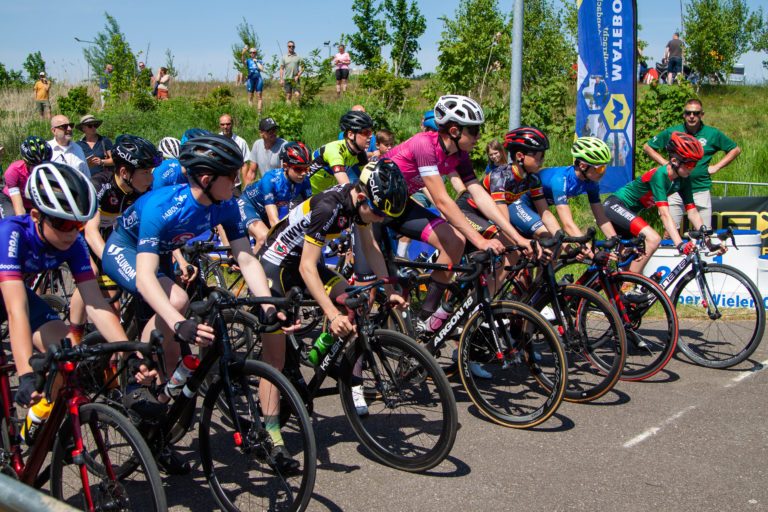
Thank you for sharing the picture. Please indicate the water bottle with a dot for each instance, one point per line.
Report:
(36, 416)
(656, 276)
(322, 344)
(174, 386)
(439, 317)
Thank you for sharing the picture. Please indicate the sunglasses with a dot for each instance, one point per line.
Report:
(599, 169)
(689, 164)
(696, 113)
(291, 46)
(366, 132)
(90, 125)
(473, 130)
(225, 124)
(65, 225)
(375, 210)
(299, 169)
(64, 126)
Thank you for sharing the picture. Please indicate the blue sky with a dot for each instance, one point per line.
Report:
(200, 33)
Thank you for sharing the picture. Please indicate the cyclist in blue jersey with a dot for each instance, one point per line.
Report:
(170, 172)
(253, 82)
(62, 200)
(265, 202)
(590, 157)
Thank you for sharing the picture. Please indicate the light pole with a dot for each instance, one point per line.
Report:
(516, 69)
(87, 62)
(327, 44)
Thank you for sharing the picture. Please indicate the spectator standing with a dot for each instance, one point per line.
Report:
(254, 83)
(42, 96)
(104, 79)
(63, 150)
(163, 80)
(226, 125)
(291, 68)
(342, 61)
(265, 154)
(674, 55)
(713, 140)
(96, 148)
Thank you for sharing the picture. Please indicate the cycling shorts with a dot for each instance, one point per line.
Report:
(626, 222)
(280, 279)
(119, 263)
(40, 313)
(524, 217)
(254, 84)
(477, 220)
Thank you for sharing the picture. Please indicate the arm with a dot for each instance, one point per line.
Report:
(301, 69)
(654, 155)
(310, 256)
(374, 256)
(566, 217)
(151, 289)
(18, 204)
(602, 220)
(451, 211)
(19, 331)
(340, 173)
(669, 224)
(253, 272)
(727, 159)
(100, 312)
(282, 71)
(93, 235)
(499, 216)
(272, 214)
(242, 55)
(549, 220)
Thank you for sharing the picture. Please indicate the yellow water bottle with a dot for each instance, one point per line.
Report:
(36, 416)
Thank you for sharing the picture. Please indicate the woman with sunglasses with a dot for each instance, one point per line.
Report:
(590, 157)
(653, 189)
(62, 201)
(96, 147)
(265, 202)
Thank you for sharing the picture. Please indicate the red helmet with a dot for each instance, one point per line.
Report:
(526, 139)
(295, 153)
(686, 146)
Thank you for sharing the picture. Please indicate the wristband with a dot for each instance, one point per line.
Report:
(334, 318)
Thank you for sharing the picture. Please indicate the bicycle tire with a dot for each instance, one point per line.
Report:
(537, 358)
(242, 480)
(709, 342)
(652, 328)
(141, 489)
(407, 370)
(597, 347)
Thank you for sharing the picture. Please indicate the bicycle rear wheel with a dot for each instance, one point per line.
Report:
(524, 388)
(412, 419)
(110, 442)
(734, 329)
(245, 476)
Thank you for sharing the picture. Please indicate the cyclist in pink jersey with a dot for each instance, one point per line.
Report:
(34, 151)
(424, 160)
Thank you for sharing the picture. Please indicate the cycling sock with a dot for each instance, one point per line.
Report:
(434, 295)
(272, 423)
(76, 333)
(402, 247)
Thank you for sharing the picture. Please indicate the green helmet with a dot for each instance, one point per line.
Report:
(591, 150)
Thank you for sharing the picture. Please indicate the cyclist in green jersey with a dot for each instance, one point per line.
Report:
(338, 162)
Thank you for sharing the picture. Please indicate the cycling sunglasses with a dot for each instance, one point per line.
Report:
(65, 225)
(473, 130)
(375, 210)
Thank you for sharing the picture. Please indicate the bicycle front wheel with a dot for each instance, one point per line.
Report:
(722, 316)
(412, 419)
(524, 387)
(110, 442)
(246, 475)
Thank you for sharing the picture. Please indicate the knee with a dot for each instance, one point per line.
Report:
(179, 299)
(652, 241)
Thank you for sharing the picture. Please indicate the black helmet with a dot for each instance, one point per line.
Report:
(60, 191)
(526, 139)
(385, 186)
(192, 133)
(211, 154)
(355, 120)
(35, 150)
(295, 153)
(135, 152)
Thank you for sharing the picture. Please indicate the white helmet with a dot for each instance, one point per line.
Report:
(169, 147)
(60, 191)
(460, 109)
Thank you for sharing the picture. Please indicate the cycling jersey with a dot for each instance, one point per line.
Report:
(253, 67)
(334, 154)
(561, 183)
(423, 155)
(653, 188)
(168, 173)
(26, 253)
(317, 219)
(506, 184)
(274, 188)
(16, 176)
(112, 200)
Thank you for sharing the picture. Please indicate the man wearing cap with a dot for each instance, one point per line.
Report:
(96, 148)
(64, 150)
(265, 154)
(42, 98)
(254, 82)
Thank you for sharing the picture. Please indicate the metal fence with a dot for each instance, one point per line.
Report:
(17, 497)
(747, 184)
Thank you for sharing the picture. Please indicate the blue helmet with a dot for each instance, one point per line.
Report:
(429, 121)
(194, 132)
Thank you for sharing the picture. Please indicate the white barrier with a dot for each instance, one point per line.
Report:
(762, 275)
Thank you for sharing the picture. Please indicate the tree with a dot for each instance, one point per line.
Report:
(248, 38)
(548, 53)
(407, 24)
(717, 33)
(372, 34)
(112, 48)
(10, 78)
(33, 65)
(169, 65)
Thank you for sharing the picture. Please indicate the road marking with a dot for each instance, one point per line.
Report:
(655, 430)
(745, 375)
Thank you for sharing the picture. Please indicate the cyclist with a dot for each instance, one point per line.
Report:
(138, 254)
(34, 151)
(338, 162)
(292, 255)
(116, 190)
(170, 171)
(652, 189)
(265, 202)
(590, 157)
(62, 200)
(424, 159)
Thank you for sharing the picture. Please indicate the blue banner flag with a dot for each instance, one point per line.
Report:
(607, 81)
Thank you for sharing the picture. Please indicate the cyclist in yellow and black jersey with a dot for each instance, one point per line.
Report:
(340, 161)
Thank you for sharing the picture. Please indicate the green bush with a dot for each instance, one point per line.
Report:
(76, 103)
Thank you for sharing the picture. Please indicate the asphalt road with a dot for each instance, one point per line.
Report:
(692, 439)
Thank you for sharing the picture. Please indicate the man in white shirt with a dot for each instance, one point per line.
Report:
(64, 150)
(265, 154)
(225, 125)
